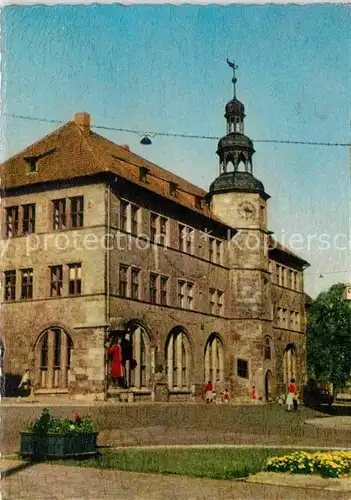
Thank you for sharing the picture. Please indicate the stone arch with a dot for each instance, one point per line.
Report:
(52, 358)
(214, 359)
(138, 376)
(178, 359)
(47, 326)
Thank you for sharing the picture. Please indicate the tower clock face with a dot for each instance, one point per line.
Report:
(247, 210)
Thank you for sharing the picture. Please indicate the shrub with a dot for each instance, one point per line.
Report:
(327, 464)
(46, 423)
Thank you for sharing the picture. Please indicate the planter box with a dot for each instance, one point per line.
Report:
(75, 444)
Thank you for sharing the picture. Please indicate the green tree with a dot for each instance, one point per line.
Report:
(329, 337)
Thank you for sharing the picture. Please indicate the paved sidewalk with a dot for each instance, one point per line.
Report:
(55, 482)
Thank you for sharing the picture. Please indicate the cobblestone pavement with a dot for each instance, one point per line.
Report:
(54, 482)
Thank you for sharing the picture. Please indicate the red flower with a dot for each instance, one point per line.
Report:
(76, 416)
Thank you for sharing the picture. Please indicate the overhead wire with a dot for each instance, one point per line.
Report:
(176, 134)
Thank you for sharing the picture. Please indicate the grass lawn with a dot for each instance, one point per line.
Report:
(213, 463)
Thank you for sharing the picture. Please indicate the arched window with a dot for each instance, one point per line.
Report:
(267, 348)
(178, 360)
(289, 363)
(140, 375)
(214, 359)
(53, 359)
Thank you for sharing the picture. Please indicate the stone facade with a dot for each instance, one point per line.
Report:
(217, 300)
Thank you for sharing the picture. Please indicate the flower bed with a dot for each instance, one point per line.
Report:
(49, 437)
(326, 464)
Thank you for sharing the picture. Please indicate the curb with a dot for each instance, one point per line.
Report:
(301, 481)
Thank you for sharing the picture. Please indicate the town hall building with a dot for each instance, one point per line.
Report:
(101, 247)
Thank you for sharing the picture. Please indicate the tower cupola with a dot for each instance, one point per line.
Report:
(235, 148)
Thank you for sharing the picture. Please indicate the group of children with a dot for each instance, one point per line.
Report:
(215, 393)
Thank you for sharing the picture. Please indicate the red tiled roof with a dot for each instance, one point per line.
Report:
(72, 153)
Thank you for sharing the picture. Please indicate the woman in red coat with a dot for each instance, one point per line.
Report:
(116, 367)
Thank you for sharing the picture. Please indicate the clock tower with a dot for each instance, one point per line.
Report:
(239, 199)
(236, 196)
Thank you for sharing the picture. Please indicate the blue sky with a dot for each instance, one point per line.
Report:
(162, 68)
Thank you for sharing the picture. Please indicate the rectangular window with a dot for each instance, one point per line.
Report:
(173, 188)
(26, 283)
(143, 171)
(190, 288)
(123, 281)
(297, 286)
(11, 221)
(28, 223)
(164, 290)
(75, 279)
(135, 283)
(185, 294)
(134, 212)
(77, 211)
(56, 281)
(9, 285)
(215, 250)
(185, 238)
(153, 226)
(153, 288)
(163, 230)
(123, 215)
(59, 214)
(216, 301)
(32, 166)
(243, 369)
(181, 294)
(158, 229)
(198, 202)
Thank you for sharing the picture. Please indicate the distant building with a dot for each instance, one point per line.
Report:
(347, 292)
(99, 243)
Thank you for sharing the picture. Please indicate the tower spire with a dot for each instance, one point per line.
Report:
(234, 79)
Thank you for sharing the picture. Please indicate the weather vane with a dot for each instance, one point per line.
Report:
(234, 79)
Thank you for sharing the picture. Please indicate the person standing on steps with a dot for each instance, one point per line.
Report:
(114, 350)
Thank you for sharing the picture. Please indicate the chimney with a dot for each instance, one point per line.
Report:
(125, 146)
(83, 121)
